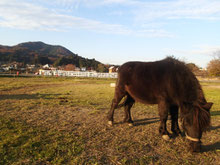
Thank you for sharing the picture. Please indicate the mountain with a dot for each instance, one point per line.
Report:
(41, 53)
(43, 48)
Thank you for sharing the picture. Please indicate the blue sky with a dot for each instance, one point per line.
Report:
(116, 31)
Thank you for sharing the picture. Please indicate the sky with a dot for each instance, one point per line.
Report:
(117, 31)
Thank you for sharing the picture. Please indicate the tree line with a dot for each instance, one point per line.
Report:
(213, 67)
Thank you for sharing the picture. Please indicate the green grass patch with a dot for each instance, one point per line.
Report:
(24, 144)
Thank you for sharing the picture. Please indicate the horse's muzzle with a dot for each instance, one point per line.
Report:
(195, 146)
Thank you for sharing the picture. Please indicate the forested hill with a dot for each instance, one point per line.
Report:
(41, 53)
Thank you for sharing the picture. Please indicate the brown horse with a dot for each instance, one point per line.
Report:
(170, 84)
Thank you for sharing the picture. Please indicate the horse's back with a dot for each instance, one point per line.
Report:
(149, 82)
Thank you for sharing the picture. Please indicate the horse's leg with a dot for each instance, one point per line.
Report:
(163, 108)
(127, 109)
(174, 119)
(119, 94)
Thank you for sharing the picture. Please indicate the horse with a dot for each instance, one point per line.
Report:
(170, 84)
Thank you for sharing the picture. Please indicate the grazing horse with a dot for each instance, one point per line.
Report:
(170, 84)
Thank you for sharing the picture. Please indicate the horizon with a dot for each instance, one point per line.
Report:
(117, 31)
(92, 58)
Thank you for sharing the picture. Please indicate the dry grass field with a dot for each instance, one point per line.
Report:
(63, 121)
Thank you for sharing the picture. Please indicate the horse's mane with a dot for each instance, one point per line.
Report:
(201, 118)
(201, 115)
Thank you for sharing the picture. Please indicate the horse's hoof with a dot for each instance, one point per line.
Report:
(110, 123)
(130, 124)
(166, 137)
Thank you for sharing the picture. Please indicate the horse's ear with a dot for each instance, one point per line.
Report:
(207, 106)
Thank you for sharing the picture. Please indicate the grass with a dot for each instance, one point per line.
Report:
(24, 144)
(212, 91)
(45, 120)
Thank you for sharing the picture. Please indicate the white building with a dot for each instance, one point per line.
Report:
(76, 74)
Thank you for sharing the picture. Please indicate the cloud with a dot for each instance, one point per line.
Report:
(181, 9)
(200, 54)
(116, 13)
(154, 33)
(152, 10)
(24, 15)
(96, 2)
(37, 17)
(145, 18)
(75, 4)
(205, 50)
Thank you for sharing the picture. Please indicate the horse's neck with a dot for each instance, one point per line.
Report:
(201, 97)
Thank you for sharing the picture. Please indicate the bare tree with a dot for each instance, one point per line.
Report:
(70, 67)
(214, 65)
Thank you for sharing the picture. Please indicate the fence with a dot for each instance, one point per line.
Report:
(77, 74)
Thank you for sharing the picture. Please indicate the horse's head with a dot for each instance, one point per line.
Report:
(195, 122)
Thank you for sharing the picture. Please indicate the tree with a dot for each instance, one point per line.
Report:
(70, 67)
(62, 61)
(196, 70)
(214, 67)
(43, 60)
(102, 68)
(193, 67)
(82, 63)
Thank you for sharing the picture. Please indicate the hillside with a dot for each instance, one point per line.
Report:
(41, 53)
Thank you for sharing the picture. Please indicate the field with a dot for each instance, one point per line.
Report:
(63, 121)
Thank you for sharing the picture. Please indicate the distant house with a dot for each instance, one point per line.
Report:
(53, 68)
(7, 68)
(83, 69)
(47, 66)
(30, 66)
(90, 69)
(45, 72)
(15, 65)
(77, 69)
(112, 69)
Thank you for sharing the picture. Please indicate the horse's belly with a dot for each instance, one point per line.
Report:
(144, 100)
(141, 95)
